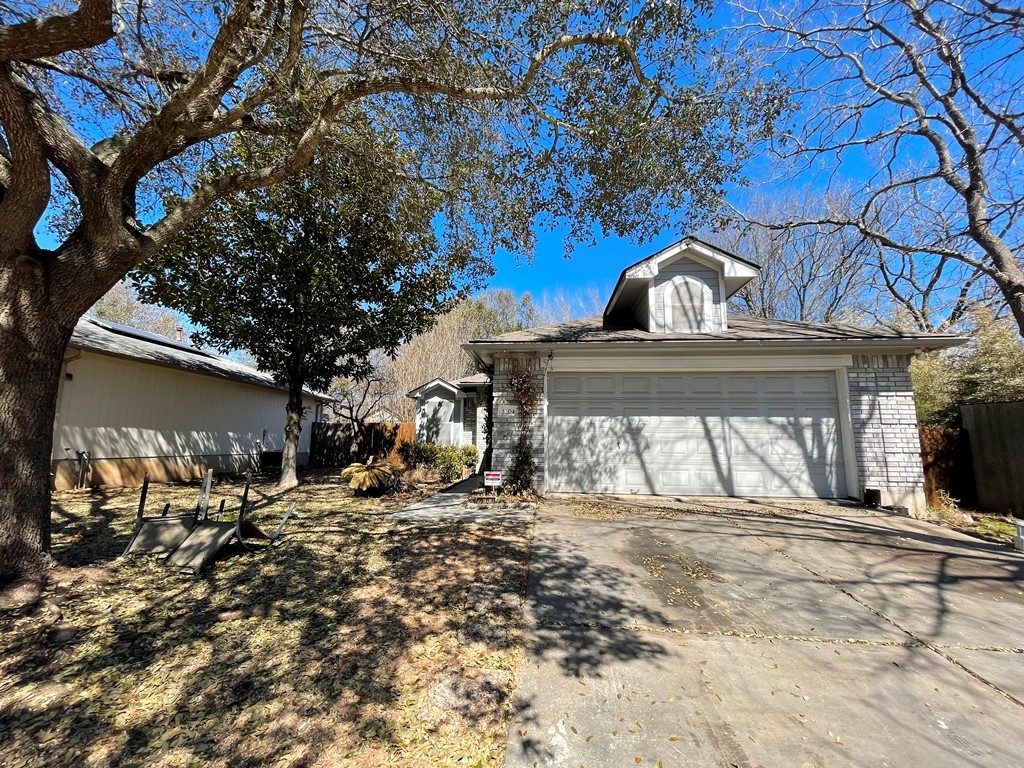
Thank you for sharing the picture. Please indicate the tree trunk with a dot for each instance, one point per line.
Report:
(1009, 278)
(33, 339)
(292, 429)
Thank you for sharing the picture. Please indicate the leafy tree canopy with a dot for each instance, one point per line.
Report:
(316, 275)
(988, 370)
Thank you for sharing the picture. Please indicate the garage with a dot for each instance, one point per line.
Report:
(765, 434)
(669, 393)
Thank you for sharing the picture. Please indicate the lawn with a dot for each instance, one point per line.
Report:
(356, 641)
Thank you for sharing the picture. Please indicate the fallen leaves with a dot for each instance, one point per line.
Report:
(321, 651)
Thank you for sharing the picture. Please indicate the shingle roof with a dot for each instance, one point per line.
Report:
(751, 329)
(472, 380)
(114, 339)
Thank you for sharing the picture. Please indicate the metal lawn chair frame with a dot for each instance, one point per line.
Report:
(197, 538)
(164, 533)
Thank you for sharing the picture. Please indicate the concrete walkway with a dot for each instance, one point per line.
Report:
(769, 637)
(449, 506)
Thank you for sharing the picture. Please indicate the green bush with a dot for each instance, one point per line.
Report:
(446, 459)
(418, 454)
(449, 463)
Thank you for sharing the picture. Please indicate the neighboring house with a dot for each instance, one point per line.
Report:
(666, 393)
(138, 402)
(453, 412)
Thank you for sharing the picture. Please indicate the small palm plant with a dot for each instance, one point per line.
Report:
(375, 476)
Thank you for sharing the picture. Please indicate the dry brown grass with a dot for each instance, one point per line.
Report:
(611, 508)
(339, 647)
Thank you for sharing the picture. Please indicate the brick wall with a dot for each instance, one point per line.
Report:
(505, 417)
(885, 430)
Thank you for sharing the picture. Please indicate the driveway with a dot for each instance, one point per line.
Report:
(769, 635)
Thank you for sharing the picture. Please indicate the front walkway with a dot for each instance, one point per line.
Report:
(450, 506)
(754, 635)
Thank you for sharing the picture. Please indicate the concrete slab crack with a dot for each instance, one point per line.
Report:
(917, 639)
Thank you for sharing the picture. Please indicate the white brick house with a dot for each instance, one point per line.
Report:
(665, 393)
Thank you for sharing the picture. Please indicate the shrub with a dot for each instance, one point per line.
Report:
(418, 454)
(446, 459)
(375, 476)
(450, 462)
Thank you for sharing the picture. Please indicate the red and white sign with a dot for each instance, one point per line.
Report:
(492, 479)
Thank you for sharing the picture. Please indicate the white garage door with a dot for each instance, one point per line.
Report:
(772, 434)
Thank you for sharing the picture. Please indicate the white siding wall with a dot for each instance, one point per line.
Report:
(118, 408)
(662, 284)
(438, 417)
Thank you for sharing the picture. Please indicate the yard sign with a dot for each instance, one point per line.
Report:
(492, 479)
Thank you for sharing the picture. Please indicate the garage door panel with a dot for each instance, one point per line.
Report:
(706, 385)
(819, 384)
(636, 385)
(669, 385)
(773, 434)
(564, 385)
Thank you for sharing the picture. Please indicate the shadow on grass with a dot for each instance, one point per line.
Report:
(300, 653)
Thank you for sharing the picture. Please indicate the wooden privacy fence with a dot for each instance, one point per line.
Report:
(946, 458)
(996, 432)
(335, 445)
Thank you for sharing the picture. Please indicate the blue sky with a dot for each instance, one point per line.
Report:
(595, 266)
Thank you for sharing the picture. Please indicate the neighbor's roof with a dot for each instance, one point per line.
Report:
(110, 338)
(741, 329)
(474, 380)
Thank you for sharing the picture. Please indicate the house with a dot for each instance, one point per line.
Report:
(132, 402)
(667, 393)
(453, 412)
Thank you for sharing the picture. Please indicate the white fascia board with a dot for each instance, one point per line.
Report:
(704, 363)
(911, 346)
(415, 394)
(735, 274)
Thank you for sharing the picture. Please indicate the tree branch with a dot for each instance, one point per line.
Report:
(91, 25)
(27, 192)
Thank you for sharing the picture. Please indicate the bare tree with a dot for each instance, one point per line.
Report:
(359, 400)
(919, 107)
(110, 113)
(121, 305)
(562, 305)
(436, 354)
(811, 272)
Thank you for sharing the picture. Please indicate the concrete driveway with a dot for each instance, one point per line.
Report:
(762, 635)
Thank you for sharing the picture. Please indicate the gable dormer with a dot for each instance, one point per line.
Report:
(684, 288)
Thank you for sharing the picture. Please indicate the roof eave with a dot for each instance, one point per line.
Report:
(415, 393)
(222, 376)
(905, 344)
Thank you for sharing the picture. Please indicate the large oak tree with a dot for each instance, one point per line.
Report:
(603, 116)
